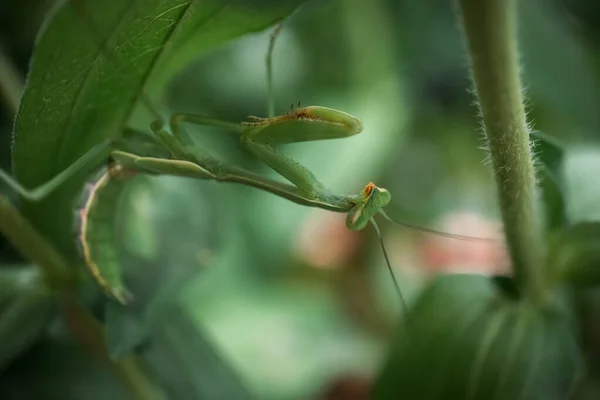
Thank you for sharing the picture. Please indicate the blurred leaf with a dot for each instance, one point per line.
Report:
(16, 280)
(580, 174)
(462, 340)
(558, 70)
(90, 66)
(186, 363)
(22, 321)
(550, 153)
(139, 237)
(98, 215)
(588, 307)
(53, 370)
(576, 257)
(286, 341)
(158, 205)
(219, 22)
(130, 328)
(125, 331)
(554, 204)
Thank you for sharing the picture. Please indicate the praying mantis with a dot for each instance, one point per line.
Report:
(169, 151)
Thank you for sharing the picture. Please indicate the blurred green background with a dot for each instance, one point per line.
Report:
(282, 299)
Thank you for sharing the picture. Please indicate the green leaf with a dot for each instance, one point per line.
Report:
(581, 166)
(218, 22)
(549, 154)
(549, 151)
(59, 369)
(182, 221)
(14, 280)
(89, 69)
(186, 363)
(125, 331)
(575, 258)
(22, 322)
(464, 341)
(556, 85)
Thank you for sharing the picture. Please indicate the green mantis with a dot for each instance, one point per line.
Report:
(169, 151)
(259, 136)
(172, 154)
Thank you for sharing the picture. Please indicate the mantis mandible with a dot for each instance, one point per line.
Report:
(169, 151)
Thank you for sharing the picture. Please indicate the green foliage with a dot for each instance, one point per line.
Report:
(463, 339)
(23, 316)
(575, 258)
(229, 300)
(92, 63)
(200, 372)
(549, 153)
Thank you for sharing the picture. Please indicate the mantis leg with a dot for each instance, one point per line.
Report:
(282, 164)
(45, 189)
(177, 120)
(161, 166)
(173, 143)
(287, 167)
(178, 143)
(207, 168)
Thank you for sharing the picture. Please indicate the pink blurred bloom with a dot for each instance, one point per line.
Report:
(442, 254)
(325, 242)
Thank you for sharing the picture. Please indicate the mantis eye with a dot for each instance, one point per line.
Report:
(380, 197)
(375, 198)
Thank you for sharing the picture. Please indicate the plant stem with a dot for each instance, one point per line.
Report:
(33, 246)
(59, 277)
(90, 333)
(490, 30)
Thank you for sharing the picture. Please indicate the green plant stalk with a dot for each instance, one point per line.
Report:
(59, 277)
(490, 31)
(33, 246)
(90, 333)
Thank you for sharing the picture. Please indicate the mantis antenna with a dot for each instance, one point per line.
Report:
(389, 267)
(435, 232)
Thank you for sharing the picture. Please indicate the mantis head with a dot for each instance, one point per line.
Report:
(371, 201)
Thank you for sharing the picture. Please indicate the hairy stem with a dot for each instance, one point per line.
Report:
(490, 30)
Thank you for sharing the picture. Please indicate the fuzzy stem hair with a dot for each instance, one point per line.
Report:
(489, 28)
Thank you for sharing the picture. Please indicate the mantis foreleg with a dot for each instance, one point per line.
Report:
(286, 167)
(282, 164)
(45, 189)
(153, 165)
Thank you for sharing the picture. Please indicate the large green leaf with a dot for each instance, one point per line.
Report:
(89, 69)
(23, 320)
(465, 341)
(575, 257)
(549, 153)
(187, 364)
(173, 221)
(56, 369)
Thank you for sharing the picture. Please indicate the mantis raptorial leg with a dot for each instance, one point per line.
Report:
(45, 189)
(300, 125)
